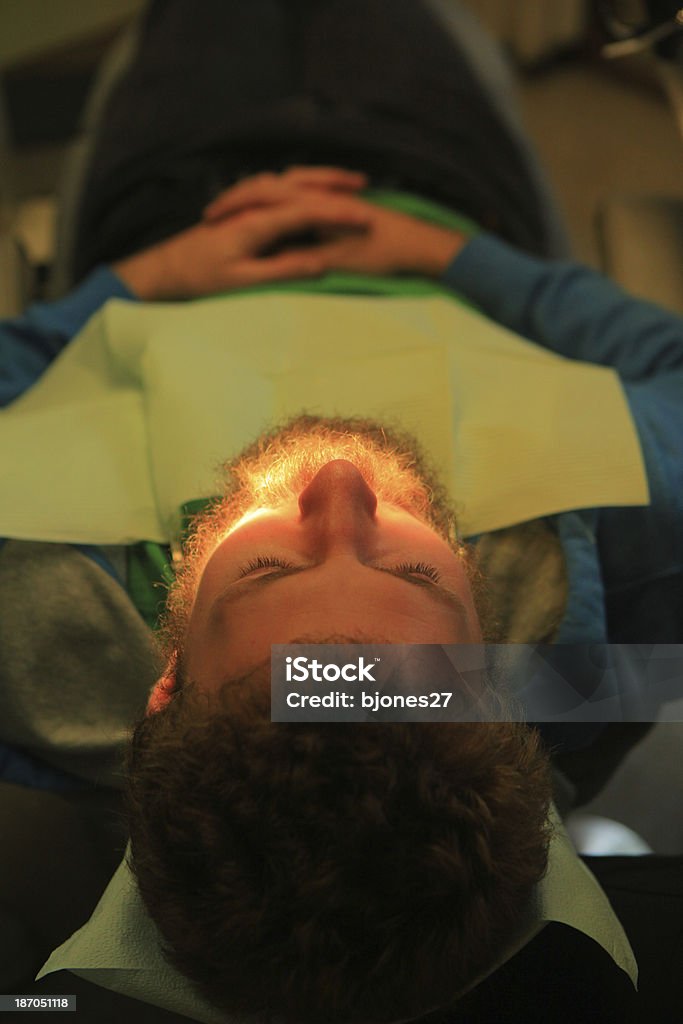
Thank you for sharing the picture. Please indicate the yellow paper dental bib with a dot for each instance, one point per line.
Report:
(135, 415)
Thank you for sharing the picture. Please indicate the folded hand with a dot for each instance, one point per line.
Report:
(243, 247)
(297, 224)
(389, 242)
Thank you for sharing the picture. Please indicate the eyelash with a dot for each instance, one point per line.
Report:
(264, 562)
(404, 569)
(418, 568)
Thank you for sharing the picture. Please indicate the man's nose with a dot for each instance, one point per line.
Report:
(339, 500)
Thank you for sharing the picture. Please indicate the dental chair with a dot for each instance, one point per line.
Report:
(640, 237)
(17, 277)
(642, 244)
(60, 842)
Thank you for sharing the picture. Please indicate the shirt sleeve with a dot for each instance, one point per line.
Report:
(568, 309)
(579, 314)
(29, 343)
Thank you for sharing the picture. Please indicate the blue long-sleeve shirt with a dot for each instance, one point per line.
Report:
(624, 565)
(634, 570)
(29, 343)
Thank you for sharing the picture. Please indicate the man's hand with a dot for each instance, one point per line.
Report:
(392, 243)
(270, 188)
(389, 243)
(233, 251)
(236, 244)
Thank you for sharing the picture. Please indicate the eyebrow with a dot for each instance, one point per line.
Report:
(232, 594)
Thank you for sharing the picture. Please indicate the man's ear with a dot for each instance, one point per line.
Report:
(161, 692)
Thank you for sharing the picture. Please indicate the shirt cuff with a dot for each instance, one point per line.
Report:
(74, 310)
(488, 271)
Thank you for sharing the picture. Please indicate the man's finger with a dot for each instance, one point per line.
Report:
(267, 189)
(258, 189)
(265, 227)
(285, 266)
(327, 177)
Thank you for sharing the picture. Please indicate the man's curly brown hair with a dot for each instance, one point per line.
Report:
(332, 872)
